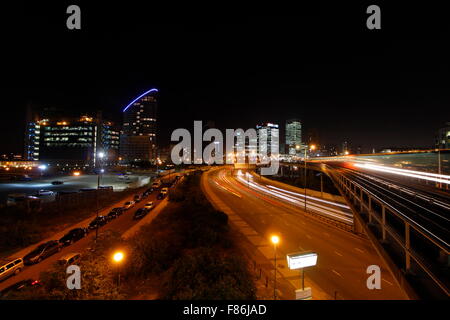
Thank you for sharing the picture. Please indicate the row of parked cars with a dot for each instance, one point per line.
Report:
(10, 268)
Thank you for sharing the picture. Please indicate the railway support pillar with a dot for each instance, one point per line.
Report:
(407, 248)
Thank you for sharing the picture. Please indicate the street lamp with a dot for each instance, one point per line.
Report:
(275, 240)
(312, 147)
(100, 155)
(118, 257)
(42, 168)
(439, 166)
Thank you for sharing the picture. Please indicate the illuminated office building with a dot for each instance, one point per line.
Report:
(293, 136)
(138, 138)
(71, 141)
(268, 139)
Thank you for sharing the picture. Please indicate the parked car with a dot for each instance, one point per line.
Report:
(127, 205)
(160, 196)
(118, 210)
(72, 236)
(106, 188)
(97, 222)
(140, 213)
(165, 190)
(45, 193)
(56, 182)
(42, 251)
(69, 258)
(156, 184)
(29, 283)
(10, 268)
(111, 215)
(137, 198)
(148, 205)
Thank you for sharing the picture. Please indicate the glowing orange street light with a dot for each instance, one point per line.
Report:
(118, 256)
(76, 173)
(275, 240)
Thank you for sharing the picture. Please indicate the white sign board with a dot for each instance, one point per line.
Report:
(300, 260)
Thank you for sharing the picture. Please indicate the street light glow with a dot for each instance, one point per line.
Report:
(101, 154)
(275, 239)
(118, 256)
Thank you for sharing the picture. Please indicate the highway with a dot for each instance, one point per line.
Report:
(343, 256)
(121, 224)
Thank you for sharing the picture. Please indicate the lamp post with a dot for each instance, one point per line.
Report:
(42, 168)
(312, 147)
(439, 166)
(100, 155)
(275, 240)
(117, 258)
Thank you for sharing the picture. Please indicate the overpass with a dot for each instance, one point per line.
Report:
(407, 220)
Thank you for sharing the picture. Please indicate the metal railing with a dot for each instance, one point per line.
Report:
(364, 202)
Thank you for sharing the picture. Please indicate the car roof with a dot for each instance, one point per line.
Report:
(7, 261)
(69, 255)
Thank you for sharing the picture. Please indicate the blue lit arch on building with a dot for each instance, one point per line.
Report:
(141, 96)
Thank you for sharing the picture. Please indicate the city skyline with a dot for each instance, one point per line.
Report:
(370, 90)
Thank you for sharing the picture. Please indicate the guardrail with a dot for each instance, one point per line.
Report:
(374, 213)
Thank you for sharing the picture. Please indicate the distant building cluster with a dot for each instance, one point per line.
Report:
(84, 141)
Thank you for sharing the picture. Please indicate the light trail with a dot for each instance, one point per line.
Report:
(336, 214)
(407, 173)
(310, 197)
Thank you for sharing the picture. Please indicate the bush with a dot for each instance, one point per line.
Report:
(205, 274)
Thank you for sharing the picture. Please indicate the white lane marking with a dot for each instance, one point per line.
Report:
(339, 254)
(337, 273)
(359, 250)
(387, 281)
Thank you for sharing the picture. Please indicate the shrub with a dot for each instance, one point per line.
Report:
(205, 274)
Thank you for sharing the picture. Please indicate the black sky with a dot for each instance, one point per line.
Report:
(235, 65)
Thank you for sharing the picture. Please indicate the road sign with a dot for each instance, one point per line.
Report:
(298, 260)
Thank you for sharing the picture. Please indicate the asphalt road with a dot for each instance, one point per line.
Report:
(343, 257)
(121, 224)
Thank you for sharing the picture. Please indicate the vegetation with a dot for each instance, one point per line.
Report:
(190, 246)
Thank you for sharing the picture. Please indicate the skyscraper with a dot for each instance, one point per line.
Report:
(268, 140)
(293, 136)
(138, 138)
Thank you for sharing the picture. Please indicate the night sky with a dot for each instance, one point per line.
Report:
(235, 65)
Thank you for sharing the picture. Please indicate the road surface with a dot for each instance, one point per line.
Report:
(343, 258)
